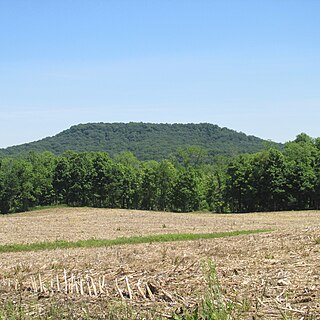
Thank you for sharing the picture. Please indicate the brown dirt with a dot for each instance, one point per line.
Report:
(273, 273)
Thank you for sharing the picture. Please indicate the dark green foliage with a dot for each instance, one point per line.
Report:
(149, 187)
(186, 195)
(302, 164)
(17, 185)
(271, 180)
(43, 166)
(101, 165)
(239, 188)
(166, 179)
(190, 181)
(146, 140)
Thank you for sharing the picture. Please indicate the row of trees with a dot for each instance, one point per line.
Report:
(268, 180)
(274, 180)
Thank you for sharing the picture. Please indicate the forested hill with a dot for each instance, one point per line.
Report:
(146, 140)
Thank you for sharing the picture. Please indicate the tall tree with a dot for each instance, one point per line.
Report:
(43, 166)
(269, 180)
(239, 190)
(16, 186)
(101, 179)
(149, 187)
(185, 196)
(166, 176)
(301, 158)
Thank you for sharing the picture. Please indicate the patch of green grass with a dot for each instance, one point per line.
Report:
(65, 310)
(38, 208)
(62, 244)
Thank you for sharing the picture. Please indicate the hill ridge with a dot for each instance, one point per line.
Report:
(148, 141)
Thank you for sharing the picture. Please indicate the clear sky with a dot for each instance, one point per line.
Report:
(252, 66)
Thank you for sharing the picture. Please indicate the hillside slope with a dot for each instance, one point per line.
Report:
(145, 140)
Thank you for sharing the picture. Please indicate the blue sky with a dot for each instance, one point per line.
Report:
(252, 66)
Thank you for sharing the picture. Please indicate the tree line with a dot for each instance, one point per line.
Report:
(188, 181)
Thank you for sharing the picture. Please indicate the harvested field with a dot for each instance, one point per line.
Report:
(85, 223)
(267, 276)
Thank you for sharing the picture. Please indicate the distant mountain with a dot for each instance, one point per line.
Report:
(146, 140)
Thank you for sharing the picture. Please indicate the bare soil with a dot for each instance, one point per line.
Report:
(268, 275)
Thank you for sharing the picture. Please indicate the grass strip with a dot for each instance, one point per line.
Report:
(39, 208)
(90, 243)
